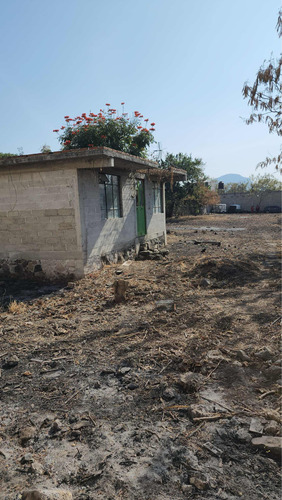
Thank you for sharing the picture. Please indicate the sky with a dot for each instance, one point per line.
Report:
(182, 63)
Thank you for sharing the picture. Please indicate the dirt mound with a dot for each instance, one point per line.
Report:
(223, 271)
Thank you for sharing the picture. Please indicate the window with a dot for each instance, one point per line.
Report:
(158, 197)
(109, 187)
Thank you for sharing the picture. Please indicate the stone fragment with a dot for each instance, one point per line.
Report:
(242, 356)
(205, 282)
(26, 434)
(212, 449)
(27, 459)
(47, 494)
(200, 484)
(243, 436)
(10, 362)
(165, 305)
(169, 394)
(271, 444)
(272, 428)
(189, 382)
(124, 370)
(264, 354)
(256, 426)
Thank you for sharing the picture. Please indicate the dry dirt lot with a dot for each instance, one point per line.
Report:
(147, 399)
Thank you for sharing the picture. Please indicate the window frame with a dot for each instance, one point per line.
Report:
(158, 202)
(110, 196)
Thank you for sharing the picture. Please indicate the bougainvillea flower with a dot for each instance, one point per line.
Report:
(67, 116)
(62, 128)
(153, 124)
(103, 136)
(139, 127)
(146, 120)
(122, 103)
(152, 129)
(145, 130)
(56, 130)
(67, 142)
(107, 104)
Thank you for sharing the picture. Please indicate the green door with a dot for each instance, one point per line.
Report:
(140, 208)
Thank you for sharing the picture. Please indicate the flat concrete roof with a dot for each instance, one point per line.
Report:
(121, 160)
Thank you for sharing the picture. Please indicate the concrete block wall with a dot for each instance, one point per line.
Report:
(102, 237)
(38, 230)
(246, 200)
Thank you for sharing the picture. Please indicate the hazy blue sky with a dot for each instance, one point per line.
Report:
(182, 63)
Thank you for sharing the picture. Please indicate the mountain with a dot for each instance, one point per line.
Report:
(233, 178)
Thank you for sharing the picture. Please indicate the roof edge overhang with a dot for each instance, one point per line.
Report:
(118, 159)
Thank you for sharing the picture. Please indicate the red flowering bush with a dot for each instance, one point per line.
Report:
(108, 129)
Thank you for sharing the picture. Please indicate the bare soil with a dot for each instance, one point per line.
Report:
(149, 400)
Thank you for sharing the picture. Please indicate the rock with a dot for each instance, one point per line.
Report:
(264, 354)
(10, 362)
(242, 356)
(205, 282)
(187, 489)
(47, 494)
(36, 468)
(26, 434)
(212, 449)
(243, 436)
(56, 427)
(272, 445)
(272, 428)
(132, 386)
(273, 372)
(124, 370)
(169, 394)
(189, 382)
(256, 426)
(200, 484)
(27, 459)
(165, 305)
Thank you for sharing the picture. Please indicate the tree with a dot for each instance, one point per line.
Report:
(265, 97)
(45, 149)
(189, 196)
(236, 187)
(108, 129)
(6, 155)
(261, 184)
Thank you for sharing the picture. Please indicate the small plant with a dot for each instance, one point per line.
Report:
(16, 307)
(109, 129)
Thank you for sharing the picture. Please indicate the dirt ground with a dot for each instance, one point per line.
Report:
(165, 396)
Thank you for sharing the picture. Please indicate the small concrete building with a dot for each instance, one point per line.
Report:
(62, 212)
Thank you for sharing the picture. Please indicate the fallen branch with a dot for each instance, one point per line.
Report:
(211, 418)
(73, 396)
(266, 394)
(220, 361)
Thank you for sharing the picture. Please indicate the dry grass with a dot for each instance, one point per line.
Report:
(16, 307)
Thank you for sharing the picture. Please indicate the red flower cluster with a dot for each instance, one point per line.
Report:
(83, 122)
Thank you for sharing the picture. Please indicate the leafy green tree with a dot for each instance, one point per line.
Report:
(261, 184)
(265, 97)
(236, 187)
(6, 155)
(188, 196)
(108, 129)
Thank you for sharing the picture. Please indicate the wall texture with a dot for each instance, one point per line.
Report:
(246, 200)
(105, 237)
(38, 233)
